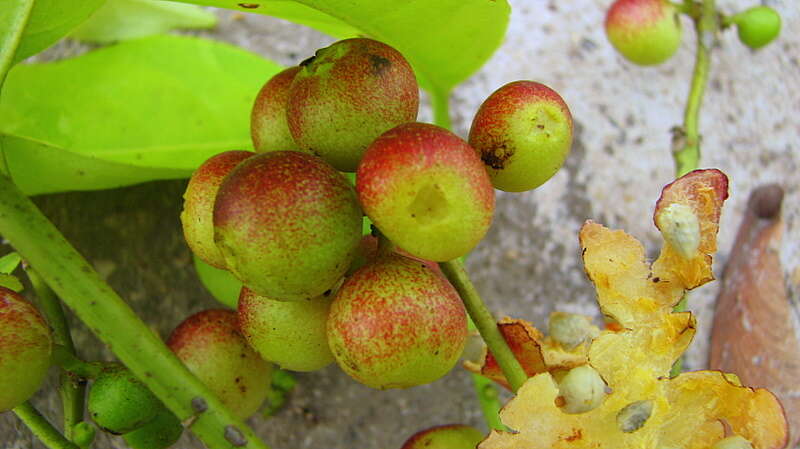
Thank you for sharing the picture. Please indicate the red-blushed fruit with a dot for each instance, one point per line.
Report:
(523, 134)
(426, 190)
(268, 126)
(396, 324)
(452, 436)
(210, 345)
(646, 32)
(368, 253)
(25, 347)
(288, 224)
(288, 333)
(347, 95)
(198, 205)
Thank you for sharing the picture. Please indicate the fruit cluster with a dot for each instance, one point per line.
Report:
(288, 223)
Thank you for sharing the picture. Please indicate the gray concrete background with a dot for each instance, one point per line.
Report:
(529, 263)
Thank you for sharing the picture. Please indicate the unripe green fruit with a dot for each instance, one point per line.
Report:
(426, 190)
(25, 347)
(161, 432)
(198, 205)
(288, 224)
(119, 402)
(453, 436)
(757, 26)
(210, 345)
(646, 32)
(396, 324)
(582, 389)
(268, 126)
(288, 333)
(346, 96)
(523, 134)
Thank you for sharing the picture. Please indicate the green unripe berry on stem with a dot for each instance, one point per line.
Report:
(347, 95)
(523, 134)
(25, 348)
(452, 436)
(268, 127)
(646, 32)
(160, 433)
(291, 334)
(757, 26)
(119, 402)
(198, 205)
(210, 345)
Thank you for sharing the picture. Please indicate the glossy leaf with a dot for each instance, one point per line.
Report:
(147, 109)
(120, 20)
(9, 262)
(445, 40)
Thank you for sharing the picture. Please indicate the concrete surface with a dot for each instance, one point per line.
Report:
(529, 263)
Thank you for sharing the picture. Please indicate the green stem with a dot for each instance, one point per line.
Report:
(488, 397)
(485, 322)
(109, 317)
(71, 390)
(441, 108)
(42, 428)
(67, 361)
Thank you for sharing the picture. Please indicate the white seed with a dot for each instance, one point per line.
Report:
(734, 442)
(681, 228)
(582, 389)
(569, 329)
(634, 415)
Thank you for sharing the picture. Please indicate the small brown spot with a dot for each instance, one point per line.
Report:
(577, 434)
(235, 436)
(379, 64)
(656, 279)
(496, 157)
(199, 404)
(249, 5)
(560, 401)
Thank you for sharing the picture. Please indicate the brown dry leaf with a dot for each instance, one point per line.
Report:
(753, 333)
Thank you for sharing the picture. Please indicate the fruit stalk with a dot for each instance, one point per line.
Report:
(112, 320)
(441, 108)
(42, 428)
(485, 322)
(71, 390)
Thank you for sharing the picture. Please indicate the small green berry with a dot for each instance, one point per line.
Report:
(757, 26)
(161, 432)
(119, 402)
(83, 434)
(582, 389)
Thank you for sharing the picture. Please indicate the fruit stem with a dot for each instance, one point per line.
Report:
(66, 359)
(488, 398)
(42, 428)
(112, 320)
(71, 390)
(485, 322)
(441, 108)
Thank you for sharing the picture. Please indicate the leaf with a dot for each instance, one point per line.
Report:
(445, 41)
(9, 263)
(10, 282)
(220, 283)
(51, 20)
(120, 20)
(146, 109)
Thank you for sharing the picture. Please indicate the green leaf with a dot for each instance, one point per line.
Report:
(220, 283)
(120, 20)
(51, 20)
(10, 282)
(9, 262)
(445, 40)
(14, 17)
(145, 109)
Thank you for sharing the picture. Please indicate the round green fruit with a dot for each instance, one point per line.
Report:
(523, 134)
(646, 32)
(25, 347)
(160, 433)
(288, 224)
(396, 324)
(288, 333)
(210, 345)
(198, 205)
(426, 190)
(452, 436)
(346, 96)
(119, 403)
(757, 26)
(268, 126)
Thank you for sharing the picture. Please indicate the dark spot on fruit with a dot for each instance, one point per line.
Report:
(379, 64)
(497, 157)
(237, 380)
(540, 126)
(199, 405)
(577, 434)
(560, 401)
(235, 436)
(243, 355)
(307, 61)
(249, 5)
(327, 292)
(656, 279)
(436, 352)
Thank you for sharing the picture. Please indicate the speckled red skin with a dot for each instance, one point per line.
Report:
(347, 95)
(368, 253)
(210, 345)
(450, 436)
(25, 347)
(288, 224)
(268, 127)
(198, 205)
(523, 134)
(396, 324)
(414, 158)
(646, 32)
